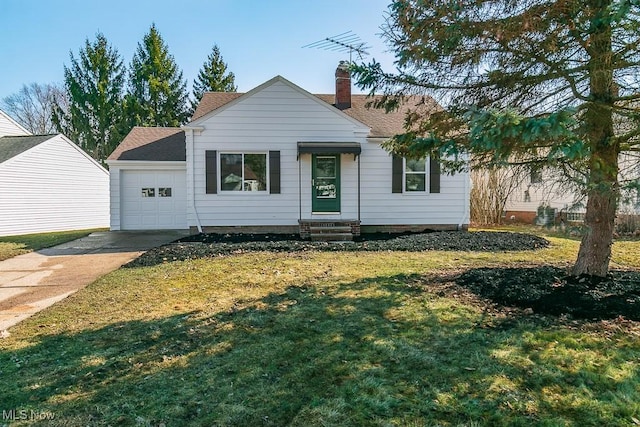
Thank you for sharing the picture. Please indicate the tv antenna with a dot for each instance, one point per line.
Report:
(345, 42)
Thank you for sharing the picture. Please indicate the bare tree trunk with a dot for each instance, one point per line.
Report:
(595, 248)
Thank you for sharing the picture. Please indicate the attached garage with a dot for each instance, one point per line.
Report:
(148, 181)
(153, 200)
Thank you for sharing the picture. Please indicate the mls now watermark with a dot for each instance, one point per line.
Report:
(26, 415)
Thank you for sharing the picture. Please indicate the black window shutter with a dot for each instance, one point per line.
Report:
(274, 172)
(434, 175)
(211, 171)
(396, 175)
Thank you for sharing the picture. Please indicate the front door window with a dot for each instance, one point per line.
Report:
(326, 183)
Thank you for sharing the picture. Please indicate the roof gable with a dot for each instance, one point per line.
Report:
(219, 101)
(152, 144)
(380, 123)
(9, 127)
(14, 146)
(11, 146)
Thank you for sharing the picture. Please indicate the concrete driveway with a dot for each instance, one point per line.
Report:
(34, 281)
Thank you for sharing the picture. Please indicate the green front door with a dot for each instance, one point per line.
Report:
(325, 174)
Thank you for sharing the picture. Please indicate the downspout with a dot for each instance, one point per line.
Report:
(359, 190)
(465, 215)
(193, 179)
(299, 188)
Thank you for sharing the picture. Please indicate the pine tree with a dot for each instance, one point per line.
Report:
(157, 92)
(94, 85)
(213, 77)
(539, 82)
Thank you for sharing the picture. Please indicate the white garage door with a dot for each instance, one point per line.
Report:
(153, 200)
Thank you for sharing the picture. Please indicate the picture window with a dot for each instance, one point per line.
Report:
(243, 172)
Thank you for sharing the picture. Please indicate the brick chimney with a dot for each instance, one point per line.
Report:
(343, 86)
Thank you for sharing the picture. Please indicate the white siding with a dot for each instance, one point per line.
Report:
(629, 172)
(278, 116)
(274, 118)
(528, 197)
(126, 207)
(550, 192)
(52, 187)
(381, 207)
(114, 197)
(8, 127)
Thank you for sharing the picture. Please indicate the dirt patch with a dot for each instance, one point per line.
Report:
(550, 290)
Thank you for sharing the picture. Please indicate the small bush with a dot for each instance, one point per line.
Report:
(628, 224)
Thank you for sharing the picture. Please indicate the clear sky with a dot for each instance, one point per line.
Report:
(258, 39)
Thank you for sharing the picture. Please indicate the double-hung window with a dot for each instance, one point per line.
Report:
(535, 175)
(243, 171)
(415, 175)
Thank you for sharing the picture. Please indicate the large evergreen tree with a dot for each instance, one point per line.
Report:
(157, 92)
(213, 77)
(544, 82)
(94, 85)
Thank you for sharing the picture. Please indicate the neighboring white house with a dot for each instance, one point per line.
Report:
(280, 159)
(9, 127)
(47, 183)
(540, 197)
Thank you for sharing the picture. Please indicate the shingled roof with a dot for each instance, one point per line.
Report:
(11, 146)
(155, 144)
(168, 143)
(382, 124)
(212, 101)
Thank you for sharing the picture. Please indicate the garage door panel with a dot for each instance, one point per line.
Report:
(165, 204)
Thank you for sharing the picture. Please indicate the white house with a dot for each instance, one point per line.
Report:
(541, 198)
(9, 127)
(47, 183)
(280, 159)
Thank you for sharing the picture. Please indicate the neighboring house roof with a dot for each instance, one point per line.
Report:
(382, 124)
(11, 146)
(152, 144)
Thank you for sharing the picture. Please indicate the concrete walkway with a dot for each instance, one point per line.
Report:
(34, 281)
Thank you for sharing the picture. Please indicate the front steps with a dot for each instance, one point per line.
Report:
(329, 231)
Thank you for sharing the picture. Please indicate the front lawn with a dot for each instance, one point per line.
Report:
(316, 338)
(11, 246)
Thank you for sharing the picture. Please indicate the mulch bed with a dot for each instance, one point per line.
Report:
(540, 290)
(550, 290)
(211, 245)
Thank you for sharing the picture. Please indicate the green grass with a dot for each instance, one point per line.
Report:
(319, 339)
(11, 246)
